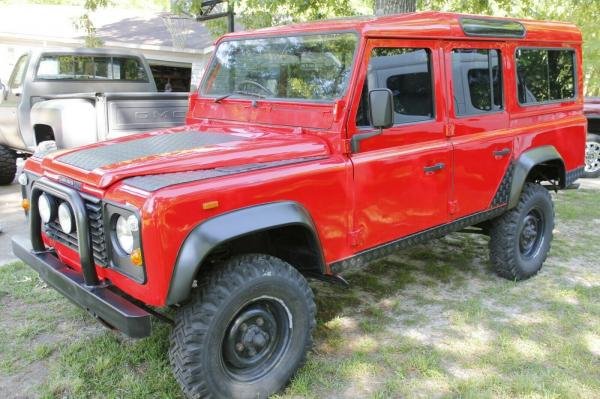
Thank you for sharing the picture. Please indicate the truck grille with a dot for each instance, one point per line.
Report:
(96, 223)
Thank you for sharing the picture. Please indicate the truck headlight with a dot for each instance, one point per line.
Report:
(65, 218)
(125, 228)
(46, 207)
(23, 180)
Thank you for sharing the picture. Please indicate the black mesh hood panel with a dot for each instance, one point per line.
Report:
(98, 157)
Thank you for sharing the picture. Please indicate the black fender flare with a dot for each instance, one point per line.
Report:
(210, 233)
(526, 162)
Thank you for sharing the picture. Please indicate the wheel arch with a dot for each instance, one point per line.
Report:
(43, 132)
(247, 225)
(532, 165)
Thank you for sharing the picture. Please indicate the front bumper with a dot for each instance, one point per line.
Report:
(99, 300)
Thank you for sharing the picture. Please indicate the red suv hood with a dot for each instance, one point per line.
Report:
(179, 150)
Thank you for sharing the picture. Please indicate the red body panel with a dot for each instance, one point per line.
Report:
(356, 200)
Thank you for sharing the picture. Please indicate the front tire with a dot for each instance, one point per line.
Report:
(8, 165)
(246, 330)
(592, 156)
(520, 239)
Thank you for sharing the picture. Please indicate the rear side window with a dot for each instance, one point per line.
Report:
(477, 81)
(407, 73)
(68, 67)
(545, 75)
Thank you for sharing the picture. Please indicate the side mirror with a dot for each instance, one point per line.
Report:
(381, 111)
(381, 108)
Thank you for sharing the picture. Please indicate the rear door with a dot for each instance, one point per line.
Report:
(478, 124)
(9, 122)
(401, 177)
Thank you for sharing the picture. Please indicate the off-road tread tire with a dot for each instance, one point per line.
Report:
(193, 319)
(592, 175)
(503, 233)
(8, 165)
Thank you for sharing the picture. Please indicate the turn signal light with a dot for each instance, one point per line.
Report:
(210, 205)
(25, 204)
(136, 257)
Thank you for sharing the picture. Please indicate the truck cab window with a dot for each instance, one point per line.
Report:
(477, 81)
(407, 73)
(68, 67)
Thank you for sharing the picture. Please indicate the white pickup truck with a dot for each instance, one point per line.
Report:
(79, 96)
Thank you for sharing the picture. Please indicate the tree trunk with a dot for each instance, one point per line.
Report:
(386, 7)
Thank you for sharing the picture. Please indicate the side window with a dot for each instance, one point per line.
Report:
(407, 73)
(545, 75)
(16, 80)
(477, 81)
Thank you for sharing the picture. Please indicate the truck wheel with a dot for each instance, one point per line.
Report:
(246, 330)
(520, 239)
(8, 165)
(592, 156)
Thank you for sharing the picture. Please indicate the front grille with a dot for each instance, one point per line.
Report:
(96, 224)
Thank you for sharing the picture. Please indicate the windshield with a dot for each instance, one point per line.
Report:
(308, 67)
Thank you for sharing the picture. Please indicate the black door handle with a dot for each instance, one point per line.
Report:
(502, 153)
(435, 167)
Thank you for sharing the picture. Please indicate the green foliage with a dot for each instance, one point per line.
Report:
(84, 22)
(254, 14)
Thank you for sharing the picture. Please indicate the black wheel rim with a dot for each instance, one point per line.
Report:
(532, 233)
(256, 339)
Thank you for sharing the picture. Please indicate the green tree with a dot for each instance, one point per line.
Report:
(84, 22)
(254, 14)
(385, 7)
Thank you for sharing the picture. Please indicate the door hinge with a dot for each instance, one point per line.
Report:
(450, 129)
(355, 237)
(347, 146)
(452, 207)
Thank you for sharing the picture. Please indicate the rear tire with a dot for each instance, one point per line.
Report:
(592, 156)
(246, 330)
(8, 165)
(520, 239)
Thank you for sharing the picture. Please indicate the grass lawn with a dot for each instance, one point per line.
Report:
(432, 321)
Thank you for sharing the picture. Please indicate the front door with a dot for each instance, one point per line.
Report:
(11, 97)
(482, 142)
(402, 177)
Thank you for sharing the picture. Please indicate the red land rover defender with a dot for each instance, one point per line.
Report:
(310, 149)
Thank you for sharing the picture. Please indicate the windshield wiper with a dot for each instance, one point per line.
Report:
(244, 93)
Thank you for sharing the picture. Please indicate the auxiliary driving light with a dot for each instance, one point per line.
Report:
(23, 179)
(46, 208)
(65, 219)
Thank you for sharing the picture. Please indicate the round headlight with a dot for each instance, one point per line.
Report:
(124, 229)
(46, 208)
(65, 218)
